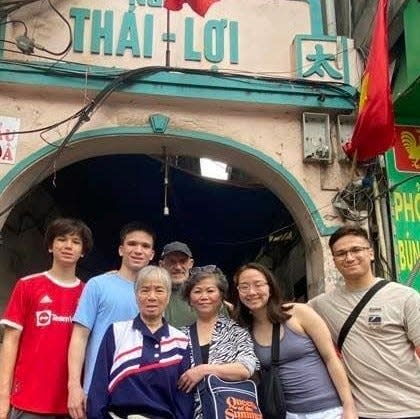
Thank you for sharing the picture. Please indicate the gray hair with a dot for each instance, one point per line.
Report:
(151, 271)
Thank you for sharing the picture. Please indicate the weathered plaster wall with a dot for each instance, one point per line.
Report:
(272, 130)
(266, 30)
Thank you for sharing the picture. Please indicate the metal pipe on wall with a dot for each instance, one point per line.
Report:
(387, 236)
(380, 224)
(331, 21)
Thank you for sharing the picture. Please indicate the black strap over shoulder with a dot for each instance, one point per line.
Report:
(356, 311)
(275, 344)
(195, 345)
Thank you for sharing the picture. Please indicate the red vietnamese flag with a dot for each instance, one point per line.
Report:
(199, 6)
(374, 132)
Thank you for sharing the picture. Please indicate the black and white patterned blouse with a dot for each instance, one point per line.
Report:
(229, 343)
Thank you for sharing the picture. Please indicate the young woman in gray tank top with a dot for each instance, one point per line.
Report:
(314, 381)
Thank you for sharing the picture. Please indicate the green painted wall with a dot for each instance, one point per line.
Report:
(412, 39)
(406, 89)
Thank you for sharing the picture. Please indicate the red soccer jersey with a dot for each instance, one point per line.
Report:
(42, 307)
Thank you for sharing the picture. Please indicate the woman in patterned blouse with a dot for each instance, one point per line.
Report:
(226, 348)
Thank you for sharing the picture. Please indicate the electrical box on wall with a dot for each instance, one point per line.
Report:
(345, 126)
(316, 137)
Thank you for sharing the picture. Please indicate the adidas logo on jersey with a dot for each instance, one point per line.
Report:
(46, 299)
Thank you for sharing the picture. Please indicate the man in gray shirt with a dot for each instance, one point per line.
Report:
(177, 259)
(381, 352)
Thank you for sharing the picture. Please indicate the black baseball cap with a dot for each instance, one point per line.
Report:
(176, 247)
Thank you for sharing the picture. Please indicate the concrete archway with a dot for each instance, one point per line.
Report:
(148, 140)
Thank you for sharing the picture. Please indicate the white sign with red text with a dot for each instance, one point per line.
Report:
(8, 140)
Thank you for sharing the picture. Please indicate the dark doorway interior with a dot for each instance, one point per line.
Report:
(224, 223)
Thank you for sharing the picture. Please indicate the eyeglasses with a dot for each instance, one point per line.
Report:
(355, 251)
(245, 288)
(208, 269)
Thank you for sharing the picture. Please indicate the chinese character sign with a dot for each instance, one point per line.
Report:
(322, 58)
(8, 140)
(322, 64)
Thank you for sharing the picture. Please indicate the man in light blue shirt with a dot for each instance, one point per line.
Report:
(106, 299)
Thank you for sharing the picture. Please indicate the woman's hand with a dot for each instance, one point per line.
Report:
(191, 378)
(349, 412)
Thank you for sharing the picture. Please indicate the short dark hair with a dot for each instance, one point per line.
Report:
(348, 230)
(136, 226)
(62, 226)
(276, 312)
(198, 274)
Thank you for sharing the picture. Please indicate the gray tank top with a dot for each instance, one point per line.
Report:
(307, 384)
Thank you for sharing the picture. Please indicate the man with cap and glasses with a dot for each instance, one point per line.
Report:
(177, 259)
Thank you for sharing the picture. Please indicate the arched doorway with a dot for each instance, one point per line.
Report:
(146, 140)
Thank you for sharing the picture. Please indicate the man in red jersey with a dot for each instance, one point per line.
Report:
(38, 326)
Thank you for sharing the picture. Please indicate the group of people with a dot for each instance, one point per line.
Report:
(120, 346)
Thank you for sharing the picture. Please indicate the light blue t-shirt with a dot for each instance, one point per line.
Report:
(106, 299)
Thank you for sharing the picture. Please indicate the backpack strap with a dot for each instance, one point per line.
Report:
(345, 329)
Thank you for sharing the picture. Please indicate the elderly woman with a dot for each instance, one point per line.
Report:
(226, 348)
(140, 361)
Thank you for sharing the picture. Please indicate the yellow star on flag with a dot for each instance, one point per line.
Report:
(364, 92)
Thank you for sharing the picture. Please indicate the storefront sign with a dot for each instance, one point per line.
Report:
(405, 205)
(137, 29)
(407, 149)
(275, 39)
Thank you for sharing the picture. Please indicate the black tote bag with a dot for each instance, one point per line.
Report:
(224, 399)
